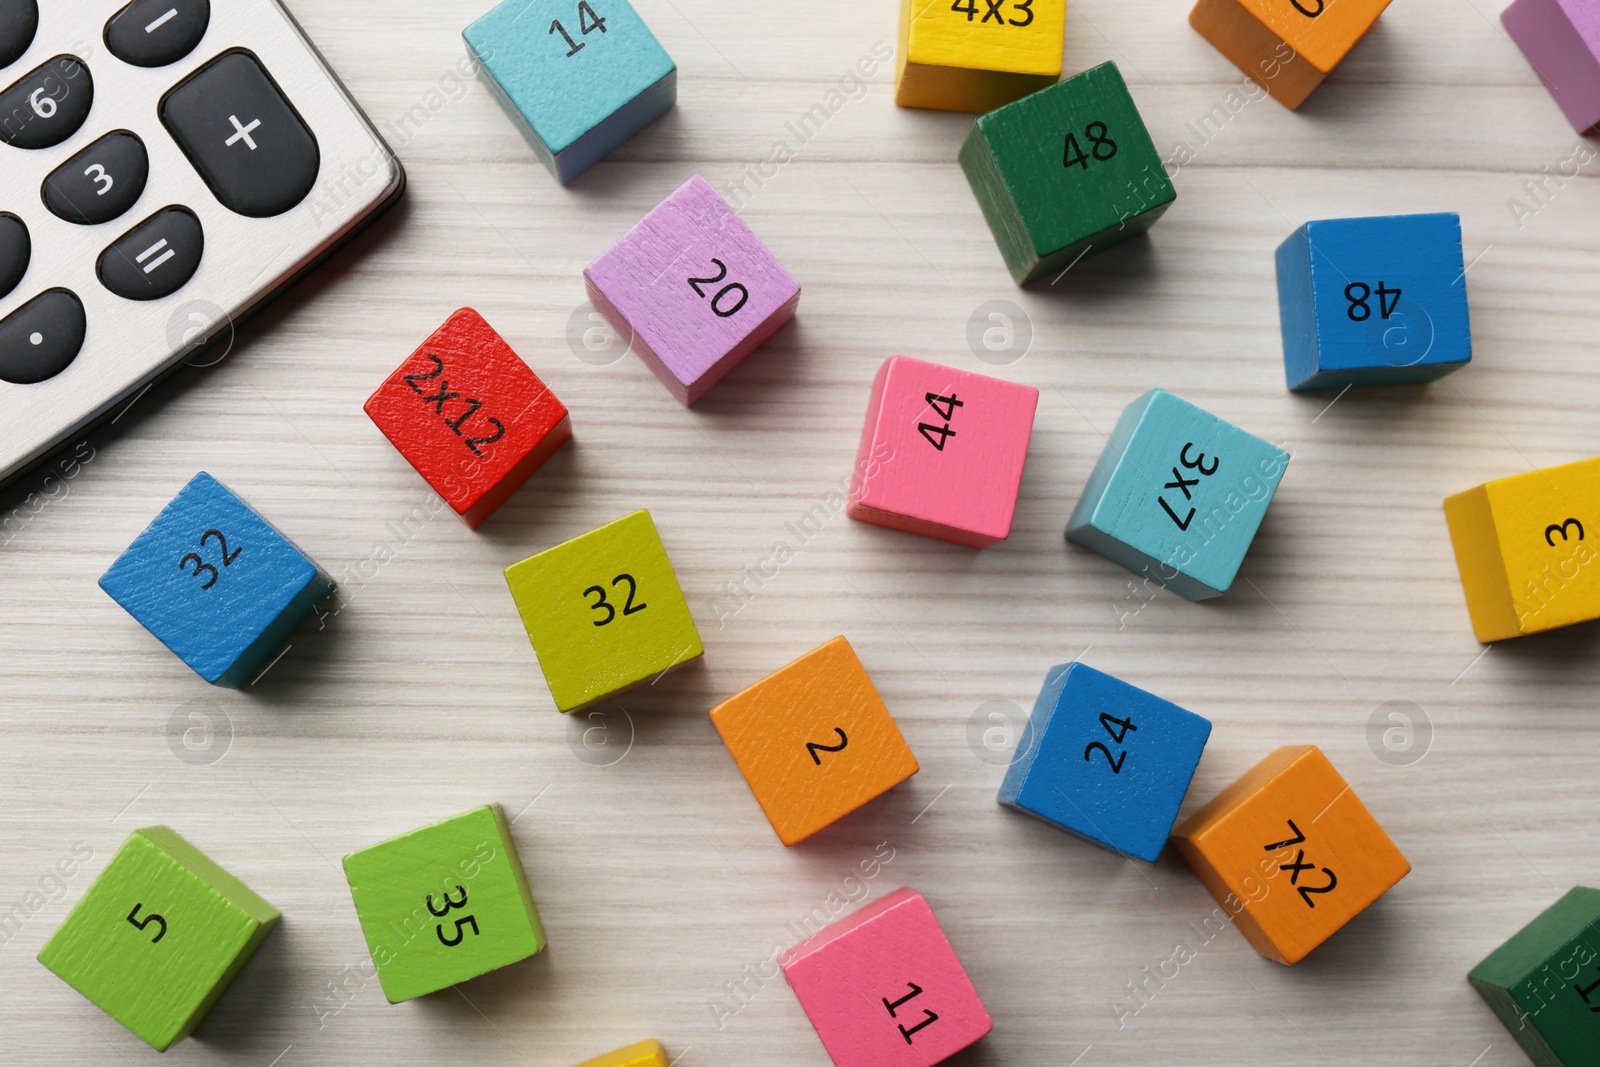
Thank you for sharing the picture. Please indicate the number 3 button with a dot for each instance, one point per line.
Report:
(100, 182)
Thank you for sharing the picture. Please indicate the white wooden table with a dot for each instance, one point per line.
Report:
(657, 876)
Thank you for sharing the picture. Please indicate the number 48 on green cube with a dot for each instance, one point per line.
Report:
(444, 904)
(1065, 171)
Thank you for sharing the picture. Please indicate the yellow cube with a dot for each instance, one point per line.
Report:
(1522, 547)
(644, 1054)
(604, 612)
(975, 55)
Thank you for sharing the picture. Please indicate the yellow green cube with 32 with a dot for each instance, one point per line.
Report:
(444, 904)
(604, 612)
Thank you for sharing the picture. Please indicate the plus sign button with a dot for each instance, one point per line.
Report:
(243, 136)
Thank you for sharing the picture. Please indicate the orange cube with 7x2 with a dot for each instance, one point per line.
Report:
(1291, 852)
(814, 741)
(1523, 551)
(1287, 46)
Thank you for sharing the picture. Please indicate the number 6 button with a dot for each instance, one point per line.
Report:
(46, 105)
(243, 136)
(100, 182)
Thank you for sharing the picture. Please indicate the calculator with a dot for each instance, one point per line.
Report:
(165, 167)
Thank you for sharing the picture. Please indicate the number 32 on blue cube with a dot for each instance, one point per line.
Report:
(1373, 301)
(1105, 760)
(578, 76)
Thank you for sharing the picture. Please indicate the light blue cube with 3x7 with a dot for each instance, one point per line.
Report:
(1178, 495)
(215, 582)
(1373, 301)
(1105, 760)
(578, 76)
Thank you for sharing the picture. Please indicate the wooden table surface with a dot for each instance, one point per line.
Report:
(662, 887)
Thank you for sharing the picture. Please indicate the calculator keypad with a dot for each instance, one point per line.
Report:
(156, 257)
(100, 182)
(41, 337)
(16, 249)
(153, 33)
(243, 136)
(19, 21)
(46, 105)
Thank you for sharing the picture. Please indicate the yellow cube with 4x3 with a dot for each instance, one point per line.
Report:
(604, 612)
(975, 55)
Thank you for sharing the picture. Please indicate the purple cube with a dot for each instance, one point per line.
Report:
(693, 288)
(1561, 39)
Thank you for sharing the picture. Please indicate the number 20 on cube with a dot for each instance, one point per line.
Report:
(694, 288)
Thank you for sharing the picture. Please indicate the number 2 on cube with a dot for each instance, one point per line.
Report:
(947, 413)
(588, 22)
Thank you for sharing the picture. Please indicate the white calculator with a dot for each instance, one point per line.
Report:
(165, 166)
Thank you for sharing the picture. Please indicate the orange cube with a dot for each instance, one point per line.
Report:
(1290, 815)
(814, 741)
(1288, 46)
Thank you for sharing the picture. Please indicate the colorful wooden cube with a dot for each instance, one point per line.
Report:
(814, 741)
(1521, 547)
(949, 447)
(1292, 814)
(1064, 172)
(470, 416)
(1285, 46)
(694, 288)
(215, 582)
(1374, 301)
(974, 55)
(158, 936)
(1178, 495)
(577, 78)
(1106, 761)
(604, 612)
(643, 1054)
(1544, 984)
(883, 987)
(444, 904)
(1561, 40)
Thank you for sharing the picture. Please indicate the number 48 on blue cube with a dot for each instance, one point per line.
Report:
(1373, 301)
(1105, 760)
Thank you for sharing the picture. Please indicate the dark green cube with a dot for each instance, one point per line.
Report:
(1066, 171)
(1544, 984)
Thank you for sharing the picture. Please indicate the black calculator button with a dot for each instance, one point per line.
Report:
(99, 183)
(153, 33)
(19, 21)
(16, 248)
(243, 136)
(41, 337)
(156, 258)
(46, 105)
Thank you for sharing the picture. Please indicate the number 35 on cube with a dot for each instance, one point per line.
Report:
(604, 612)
